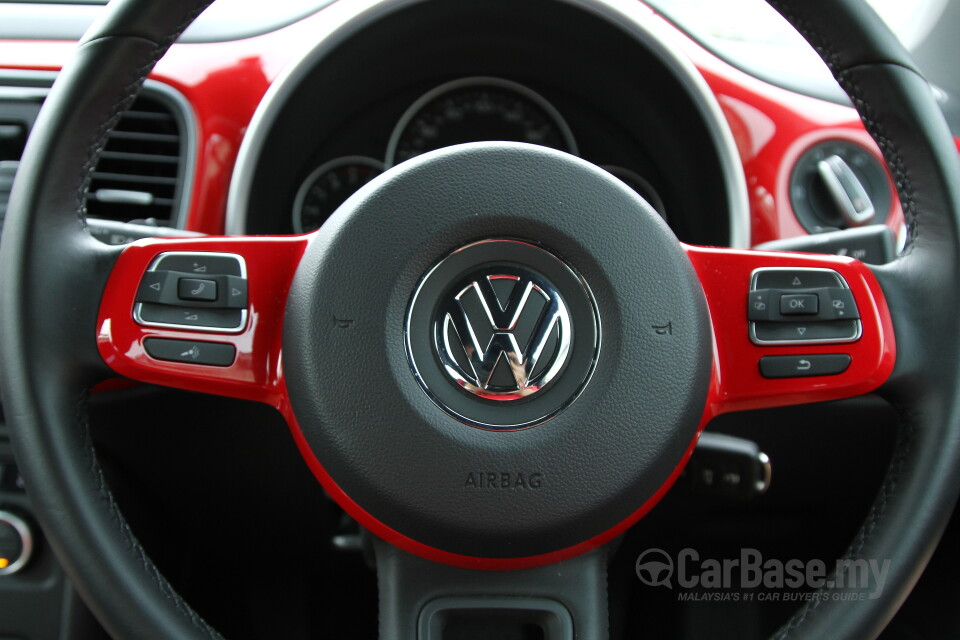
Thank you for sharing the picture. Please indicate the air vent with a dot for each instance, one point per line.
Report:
(140, 173)
(8, 169)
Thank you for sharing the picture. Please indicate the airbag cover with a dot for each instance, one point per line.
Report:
(496, 493)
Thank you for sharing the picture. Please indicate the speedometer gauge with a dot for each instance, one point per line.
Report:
(476, 110)
(328, 186)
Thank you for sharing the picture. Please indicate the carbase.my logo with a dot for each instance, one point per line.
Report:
(655, 568)
(860, 579)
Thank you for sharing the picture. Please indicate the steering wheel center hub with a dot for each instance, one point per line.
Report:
(502, 334)
(471, 306)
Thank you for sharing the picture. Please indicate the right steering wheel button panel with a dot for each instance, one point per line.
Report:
(816, 328)
(801, 306)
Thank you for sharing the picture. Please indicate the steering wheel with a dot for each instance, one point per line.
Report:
(476, 478)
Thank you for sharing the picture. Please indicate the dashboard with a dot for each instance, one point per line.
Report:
(485, 79)
(257, 126)
(302, 127)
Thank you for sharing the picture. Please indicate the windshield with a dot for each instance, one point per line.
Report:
(756, 21)
(753, 36)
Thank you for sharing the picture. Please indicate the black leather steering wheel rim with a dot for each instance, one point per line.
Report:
(48, 316)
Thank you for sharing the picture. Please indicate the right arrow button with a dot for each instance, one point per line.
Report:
(236, 292)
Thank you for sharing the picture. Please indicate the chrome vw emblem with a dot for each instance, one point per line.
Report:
(504, 335)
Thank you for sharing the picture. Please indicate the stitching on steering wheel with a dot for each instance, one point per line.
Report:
(127, 96)
(123, 527)
(797, 17)
(846, 79)
(901, 177)
(179, 29)
(902, 448)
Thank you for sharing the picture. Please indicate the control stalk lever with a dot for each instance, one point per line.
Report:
(846, 191)
(727, 467)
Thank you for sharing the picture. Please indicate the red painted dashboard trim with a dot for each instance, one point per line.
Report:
(773, 127)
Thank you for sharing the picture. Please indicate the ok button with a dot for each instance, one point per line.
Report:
(799, 304)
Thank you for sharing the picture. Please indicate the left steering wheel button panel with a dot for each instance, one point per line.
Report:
(196, 290)
(214, 354)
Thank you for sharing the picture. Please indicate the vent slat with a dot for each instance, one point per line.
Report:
(143, 156)
(147, 137)
(157, 202)
(133, 179)
(148, 115)
(139, 157)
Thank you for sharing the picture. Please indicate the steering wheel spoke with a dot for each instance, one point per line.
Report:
(200, 314)
(792, 328)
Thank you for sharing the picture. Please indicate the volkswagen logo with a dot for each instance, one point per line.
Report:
(504, 335)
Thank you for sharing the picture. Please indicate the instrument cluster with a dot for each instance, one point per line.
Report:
(473, 109)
